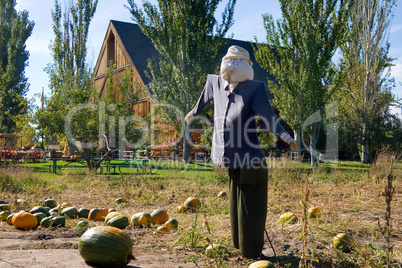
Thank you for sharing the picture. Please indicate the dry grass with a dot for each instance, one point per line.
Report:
(351, 201)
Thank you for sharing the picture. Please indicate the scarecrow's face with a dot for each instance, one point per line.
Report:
(236, 70)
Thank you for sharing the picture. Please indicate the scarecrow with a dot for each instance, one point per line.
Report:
(238, 99)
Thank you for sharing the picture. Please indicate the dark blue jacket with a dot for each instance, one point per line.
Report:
(235, 139)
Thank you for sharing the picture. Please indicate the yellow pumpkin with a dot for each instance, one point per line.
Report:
(24, 220)
(343, 242)
(64, 205)
(314, 212)
(262, 264)
(9, 219)
(288, 218)
(162, 230)
(172, 224)
(4, 215)
(141, 219)
(181, 209)
(192, 203)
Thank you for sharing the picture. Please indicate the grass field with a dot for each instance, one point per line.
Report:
(350, 196)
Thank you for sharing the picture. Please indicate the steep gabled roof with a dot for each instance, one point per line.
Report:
(138, 46)
(140, 49)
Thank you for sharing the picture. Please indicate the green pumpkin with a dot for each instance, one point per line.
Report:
(83, 213)
(50, 203)
(69, 212)
(119, 221)
(45, 222)
(121, 200)
(54, 212)
(82, 226)
(59, 221)
(106, 246)
(40, 209)
(40, 216)
(111, 215)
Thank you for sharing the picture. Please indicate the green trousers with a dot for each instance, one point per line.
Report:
(248, 197)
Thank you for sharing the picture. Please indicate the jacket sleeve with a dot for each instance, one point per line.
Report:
(205, 97)
(262, 107)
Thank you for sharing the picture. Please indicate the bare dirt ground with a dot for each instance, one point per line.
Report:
(60, 249)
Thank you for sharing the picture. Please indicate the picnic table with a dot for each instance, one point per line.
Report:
(68, 163)
(109, 163)
(128, 163)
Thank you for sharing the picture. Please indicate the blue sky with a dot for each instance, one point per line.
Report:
(248, 25)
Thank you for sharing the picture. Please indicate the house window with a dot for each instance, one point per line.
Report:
(111, 49)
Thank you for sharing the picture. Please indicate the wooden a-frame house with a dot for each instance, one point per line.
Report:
(125, 46)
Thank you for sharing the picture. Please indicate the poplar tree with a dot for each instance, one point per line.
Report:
(15, 29)
(299, 52)
(69, 74)
(365, 95)
(190, 40)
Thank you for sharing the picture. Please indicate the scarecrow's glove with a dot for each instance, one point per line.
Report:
(189, 116)
(293, 146)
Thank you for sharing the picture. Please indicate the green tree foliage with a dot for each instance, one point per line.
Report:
(25, 125)
(190, 39)
(70, 77)
(365, 96)
(15, 29)
(299, 53)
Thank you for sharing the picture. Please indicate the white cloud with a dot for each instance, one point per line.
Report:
(396, 71)
(38, 46)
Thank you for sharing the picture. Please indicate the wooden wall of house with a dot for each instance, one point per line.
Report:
(113, 52)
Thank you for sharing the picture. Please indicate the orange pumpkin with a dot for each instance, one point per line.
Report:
(111, 210)
(95, 214)
(104, 211)
(159, 216)
(24, 220)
